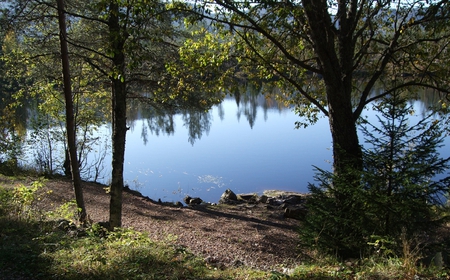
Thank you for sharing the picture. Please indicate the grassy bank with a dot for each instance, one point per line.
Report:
(45, 245)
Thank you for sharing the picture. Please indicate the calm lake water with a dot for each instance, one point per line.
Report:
(250, 147)
(270, 154)
(247, 146)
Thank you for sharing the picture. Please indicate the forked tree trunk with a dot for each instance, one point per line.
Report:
(70, 123)
(335, 52)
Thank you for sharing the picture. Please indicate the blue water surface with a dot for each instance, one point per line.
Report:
(270, 154)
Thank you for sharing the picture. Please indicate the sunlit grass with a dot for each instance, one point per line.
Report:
(123, 254)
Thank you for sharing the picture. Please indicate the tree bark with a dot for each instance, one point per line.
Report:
(335, 50)
(70, 122)
(117, 39)
(347, 152)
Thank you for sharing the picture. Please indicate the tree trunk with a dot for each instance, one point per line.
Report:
(347, 154)
(117, 40)
(335, 50)
(70, 123)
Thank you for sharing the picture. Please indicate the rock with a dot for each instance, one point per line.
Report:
(192, 200)
(269, 207)
(295, 212)
(178, 204)
(279, 193)
(294, 199)
(286, 204)
(228, 197)
(274, 201)
(263, 198)
(186, 199)
(283, 194)
(248, 197)
(70, 228)
(439, 260)
(195, 201)
(250, 206)
(283, 199)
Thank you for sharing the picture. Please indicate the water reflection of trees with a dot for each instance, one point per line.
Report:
(250, 99)
(197, 122)
(161, 121)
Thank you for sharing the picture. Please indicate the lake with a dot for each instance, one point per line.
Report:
(269, 154)
(248, 146)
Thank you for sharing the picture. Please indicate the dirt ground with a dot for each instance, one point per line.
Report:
(253, 235)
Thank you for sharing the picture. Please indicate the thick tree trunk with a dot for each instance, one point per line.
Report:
(335, 49)
(117, 40)
(70, 123)
(347, 154)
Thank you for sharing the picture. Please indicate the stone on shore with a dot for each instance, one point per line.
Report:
(292, 203)
(228, 197)
(192, 200)
(248, 197)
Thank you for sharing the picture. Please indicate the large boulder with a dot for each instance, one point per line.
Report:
(228, 197)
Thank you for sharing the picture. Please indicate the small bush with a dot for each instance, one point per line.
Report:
(19, 200)
(68, 211)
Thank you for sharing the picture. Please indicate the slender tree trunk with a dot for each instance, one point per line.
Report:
(117, 40)
(70, 123)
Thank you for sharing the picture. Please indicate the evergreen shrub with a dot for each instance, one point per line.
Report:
(400, 193)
